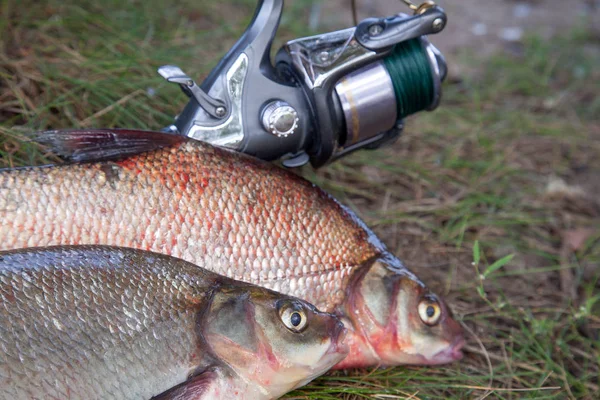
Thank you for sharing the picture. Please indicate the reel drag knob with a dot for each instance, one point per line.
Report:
(280, 119)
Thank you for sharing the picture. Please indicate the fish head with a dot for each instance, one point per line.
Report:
(395, 319)
(274, 341)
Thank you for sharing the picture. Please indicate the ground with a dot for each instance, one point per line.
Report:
(493, 199)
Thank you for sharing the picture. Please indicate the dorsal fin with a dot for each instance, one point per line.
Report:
(86, 145)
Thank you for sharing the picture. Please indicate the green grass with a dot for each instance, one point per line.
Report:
(478, 170)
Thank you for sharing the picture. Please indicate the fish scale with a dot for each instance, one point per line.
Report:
(233, 215)
(53, 291)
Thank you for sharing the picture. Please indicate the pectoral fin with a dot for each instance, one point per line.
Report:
(195, 388)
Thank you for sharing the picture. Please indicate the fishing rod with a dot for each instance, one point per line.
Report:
(323, 96)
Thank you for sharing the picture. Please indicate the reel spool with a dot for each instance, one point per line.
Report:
(376, 97)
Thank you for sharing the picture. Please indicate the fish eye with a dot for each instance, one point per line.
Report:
(293, 317)
(429, 311)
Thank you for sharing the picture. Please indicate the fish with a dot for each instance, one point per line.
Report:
(237, 216)
(99, 322)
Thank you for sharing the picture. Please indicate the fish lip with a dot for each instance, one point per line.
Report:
(451, 353)
(338, 340)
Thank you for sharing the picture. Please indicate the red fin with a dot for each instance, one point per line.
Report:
(192, 389)
(84, 145)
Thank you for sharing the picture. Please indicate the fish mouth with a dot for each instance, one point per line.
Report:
(338, 349)
(340, 342)
(451, 353)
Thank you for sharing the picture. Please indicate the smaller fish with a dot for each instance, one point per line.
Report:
(98, 322)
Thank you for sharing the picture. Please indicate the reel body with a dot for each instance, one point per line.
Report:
(324, 96)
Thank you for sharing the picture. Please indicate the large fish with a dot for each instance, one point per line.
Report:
(238, 216)
(96, 322)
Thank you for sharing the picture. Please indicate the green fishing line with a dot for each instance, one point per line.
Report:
(411, 75)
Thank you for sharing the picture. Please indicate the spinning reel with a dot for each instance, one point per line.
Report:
(323, 96)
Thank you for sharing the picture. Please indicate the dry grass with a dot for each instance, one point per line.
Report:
(511, 161)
